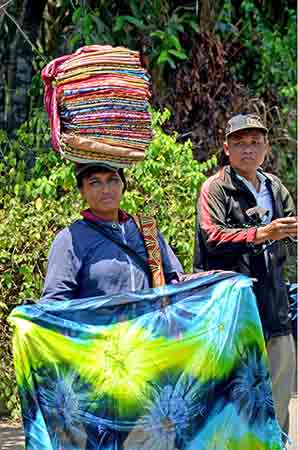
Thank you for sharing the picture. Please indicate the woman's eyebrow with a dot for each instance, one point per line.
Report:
(111, 176)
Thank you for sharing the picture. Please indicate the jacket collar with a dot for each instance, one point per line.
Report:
(88, 215)
(230, 174)
(234, 184)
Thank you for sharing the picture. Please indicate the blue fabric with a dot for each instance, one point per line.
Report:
(182, 367)
(293, 300)
(84, 263)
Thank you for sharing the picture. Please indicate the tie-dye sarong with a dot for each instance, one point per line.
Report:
(135, 372)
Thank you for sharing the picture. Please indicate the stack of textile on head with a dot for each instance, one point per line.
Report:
(97, 100)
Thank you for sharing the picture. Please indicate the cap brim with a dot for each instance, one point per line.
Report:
(264, 129)
(82, 168)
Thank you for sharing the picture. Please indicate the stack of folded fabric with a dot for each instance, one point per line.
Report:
(97, 100)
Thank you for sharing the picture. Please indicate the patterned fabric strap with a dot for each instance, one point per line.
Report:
(148, 228)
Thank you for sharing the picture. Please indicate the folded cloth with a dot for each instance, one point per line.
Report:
(97, 100)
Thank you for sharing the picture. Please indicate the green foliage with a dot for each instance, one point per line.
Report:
(272, 51)
(263, 55)
(165, 185)
(39, 198)
(154, 20)
(26, 232)
(90, 28)
(150, 25)
(268, 50)
(28, 169)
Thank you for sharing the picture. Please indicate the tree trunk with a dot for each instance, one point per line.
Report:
(19, 70)
(209, 13)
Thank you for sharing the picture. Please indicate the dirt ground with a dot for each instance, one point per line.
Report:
(11, 434)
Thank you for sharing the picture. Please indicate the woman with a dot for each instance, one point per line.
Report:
(126, 373)
(104, 252)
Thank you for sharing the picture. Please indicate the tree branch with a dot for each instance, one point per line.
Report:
(5, 4)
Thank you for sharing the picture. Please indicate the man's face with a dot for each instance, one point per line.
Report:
(102, 191)
(246, 150)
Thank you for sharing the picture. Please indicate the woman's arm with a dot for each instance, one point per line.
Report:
(171, 264)
(62, 270)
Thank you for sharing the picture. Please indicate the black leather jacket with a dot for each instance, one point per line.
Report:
(224, 242)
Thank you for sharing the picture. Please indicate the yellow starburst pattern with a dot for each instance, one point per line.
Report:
(37, 347)
(122, 360)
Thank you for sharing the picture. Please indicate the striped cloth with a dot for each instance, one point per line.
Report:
(97, 100)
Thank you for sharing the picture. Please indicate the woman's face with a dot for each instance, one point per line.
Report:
(102, 191)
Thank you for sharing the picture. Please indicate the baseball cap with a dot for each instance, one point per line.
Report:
(84, 167)
(244, 122)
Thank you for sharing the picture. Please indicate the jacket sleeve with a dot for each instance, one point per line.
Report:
(171, 265)
(289, 210)
(287, 202)
(62, 270)
(220, 238)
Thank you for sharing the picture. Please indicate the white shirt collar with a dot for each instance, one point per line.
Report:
(260, 177)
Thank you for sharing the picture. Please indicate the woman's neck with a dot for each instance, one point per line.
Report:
(108, 216)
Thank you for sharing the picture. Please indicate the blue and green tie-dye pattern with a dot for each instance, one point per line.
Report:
(126, 372)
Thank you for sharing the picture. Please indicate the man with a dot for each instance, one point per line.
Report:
(244, 218)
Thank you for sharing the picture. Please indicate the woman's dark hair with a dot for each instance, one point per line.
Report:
(91, 170)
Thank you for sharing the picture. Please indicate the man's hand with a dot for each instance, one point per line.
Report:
(278, 229)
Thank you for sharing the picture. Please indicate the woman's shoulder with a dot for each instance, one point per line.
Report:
(77, 239)
(72, 233)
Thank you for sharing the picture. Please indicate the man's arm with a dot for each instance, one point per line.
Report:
(219, 237)
(284, 227)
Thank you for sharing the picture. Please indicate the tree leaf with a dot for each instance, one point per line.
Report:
(122, 20)
(163, 57)
(38, 203)
(179, 54)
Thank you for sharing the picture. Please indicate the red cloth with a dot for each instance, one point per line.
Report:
(88, 215)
